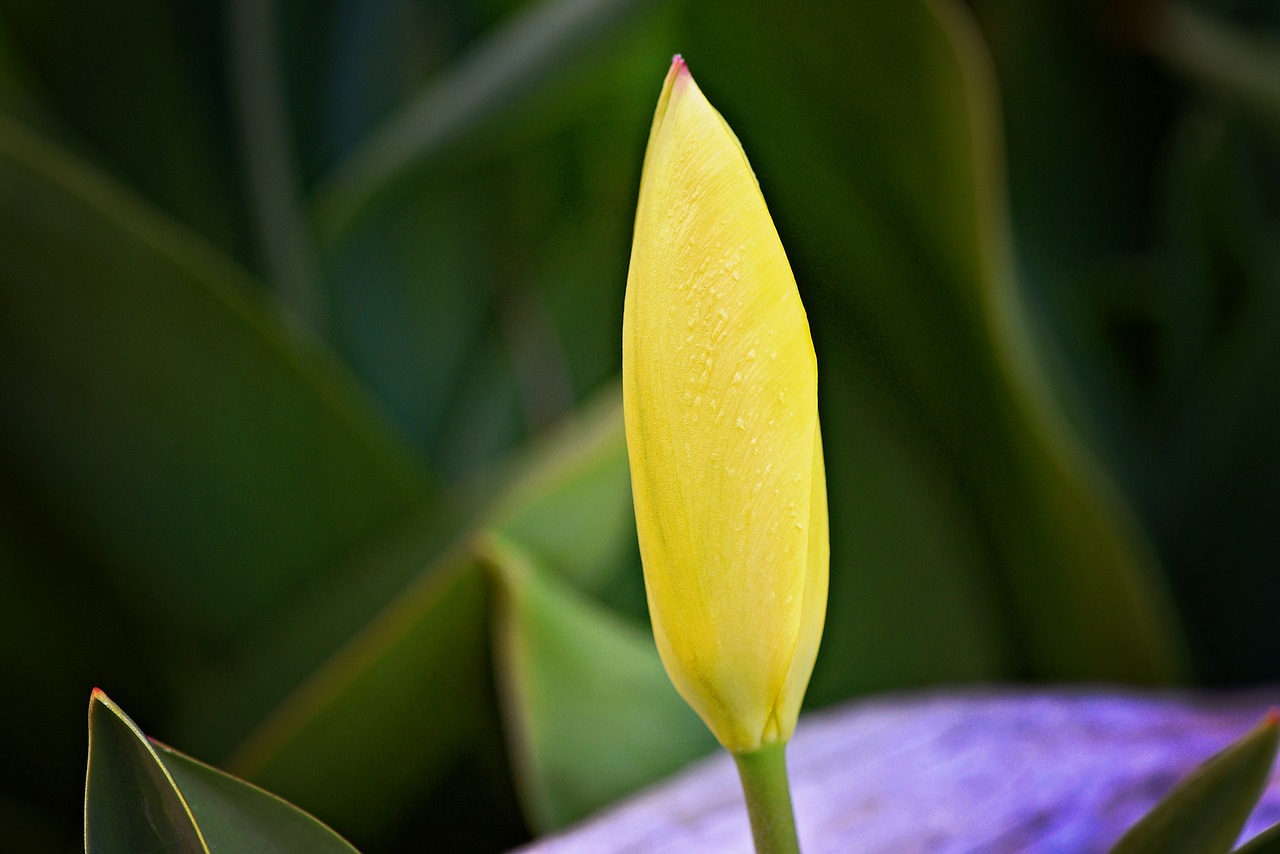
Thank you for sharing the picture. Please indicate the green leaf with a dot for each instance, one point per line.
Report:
(285, 240)
(1205, 813)
(136, 88)
(388, 714)
(215, 460)
(571, 508)
(494, 76)
(1238, 66)
(236, 816)
(590, 713)
(131, 803)
(1210, 467)
(410, 690)
(1267, 842)
(142, 797)
(904, 610)
(888, 193)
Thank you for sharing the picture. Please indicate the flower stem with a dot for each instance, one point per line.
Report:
(764, 783)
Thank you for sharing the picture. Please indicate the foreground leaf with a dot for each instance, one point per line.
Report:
(141, 797)
(131, 802)
(1205, 813)
(1267, 842)
(590, 713)
(235, 816)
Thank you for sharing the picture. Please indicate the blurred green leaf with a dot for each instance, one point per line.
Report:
(1239, 66)
(217, 462)
(413, 306)
(285, 240)
(888, 192)
(1205, 813)
(141, 797)
(904, 610)
(482, 301)
(590, 713)
(388, 714)
(571, 508)
(1150, 251)
(1210, 475)
(363, 715)
(518, 59)
(137, 87)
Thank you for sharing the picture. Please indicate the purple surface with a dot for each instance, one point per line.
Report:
(991, 772)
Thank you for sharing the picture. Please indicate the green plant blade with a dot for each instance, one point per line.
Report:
(174, 420)
(512, 63)
(235, 816)
(1205, 813)
(142, 797)
(590, 713)
(410, 690)
(388, 714)
(133, 89)
(1267, 842)
(571, 507)
(1211, 468)
(1237, 66)
(938, 616)
(271, 165)
(131, 803)
(889, 194)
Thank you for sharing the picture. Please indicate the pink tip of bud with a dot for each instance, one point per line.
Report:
(678, 64)
(97, 693)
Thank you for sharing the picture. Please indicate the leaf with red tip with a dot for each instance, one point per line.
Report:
(143, 797)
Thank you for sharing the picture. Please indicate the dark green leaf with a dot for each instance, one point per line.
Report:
(525, 53)
(217, 461)
(888, 192)
(410, 689)
(1205, 813)
(903, 610)
(285, 241)
(142, 797)
(131, 803)
(235, 816)
(1239, 66)
(136, 88)
(388, 714)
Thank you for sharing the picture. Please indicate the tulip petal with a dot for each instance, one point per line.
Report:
(720, 397)
(814, 610)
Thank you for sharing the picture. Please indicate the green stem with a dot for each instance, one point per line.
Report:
(764, 783)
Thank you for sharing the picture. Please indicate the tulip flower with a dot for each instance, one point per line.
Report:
(720, 400)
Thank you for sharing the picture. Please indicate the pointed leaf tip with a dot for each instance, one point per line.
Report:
(1207, 810)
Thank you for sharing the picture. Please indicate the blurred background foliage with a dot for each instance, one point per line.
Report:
(309, 330)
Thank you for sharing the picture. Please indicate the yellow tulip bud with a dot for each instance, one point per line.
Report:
(720, 392)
